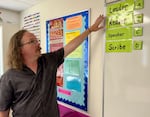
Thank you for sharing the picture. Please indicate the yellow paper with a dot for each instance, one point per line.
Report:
(77, 53)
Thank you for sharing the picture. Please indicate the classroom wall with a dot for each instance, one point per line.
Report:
(50, 9)
(10, 23)
(9, 16)
(8, 30)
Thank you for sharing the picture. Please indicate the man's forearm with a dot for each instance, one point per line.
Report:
(79, 39)
(75, 42)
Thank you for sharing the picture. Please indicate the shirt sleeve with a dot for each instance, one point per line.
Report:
(57, 56)
(6, 93)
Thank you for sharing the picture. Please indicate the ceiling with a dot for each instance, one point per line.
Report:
(17, 5)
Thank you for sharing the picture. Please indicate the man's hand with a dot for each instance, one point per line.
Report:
(99, 24)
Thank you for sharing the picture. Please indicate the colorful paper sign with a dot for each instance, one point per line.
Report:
(119, 20)
(74, 22)
(77, 53)
(119, 46)
(119, 33)
(72, 67)
(120, 8)
(119, 24)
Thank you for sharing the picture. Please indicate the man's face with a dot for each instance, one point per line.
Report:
(30, 46)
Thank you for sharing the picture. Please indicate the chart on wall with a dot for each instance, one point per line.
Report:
(31, 23)
(72, 76)
(122, 24)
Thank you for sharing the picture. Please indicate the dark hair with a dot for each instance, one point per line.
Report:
(15, 59)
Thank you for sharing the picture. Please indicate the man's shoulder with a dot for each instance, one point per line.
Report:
(9, 73)
(53, 53)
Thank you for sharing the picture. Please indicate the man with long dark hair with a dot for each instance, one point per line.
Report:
(29, 86)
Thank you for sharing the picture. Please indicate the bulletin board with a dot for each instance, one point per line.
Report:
(72, 76)
(126, 66)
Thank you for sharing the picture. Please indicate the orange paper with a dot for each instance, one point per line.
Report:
(74, 22)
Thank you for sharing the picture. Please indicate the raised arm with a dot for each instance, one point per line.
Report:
(79, 39)
(4, 113)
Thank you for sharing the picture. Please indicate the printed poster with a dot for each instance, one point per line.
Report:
(32, 24)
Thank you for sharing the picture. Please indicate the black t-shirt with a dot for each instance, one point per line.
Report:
(30, 94)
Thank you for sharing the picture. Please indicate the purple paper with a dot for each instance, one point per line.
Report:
(67, 112)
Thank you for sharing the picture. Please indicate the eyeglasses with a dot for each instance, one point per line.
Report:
(35, 41)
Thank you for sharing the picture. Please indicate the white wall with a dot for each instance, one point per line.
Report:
(8, 30)
(10, 24)
(1, 50)
(50, 9)
(10, 16)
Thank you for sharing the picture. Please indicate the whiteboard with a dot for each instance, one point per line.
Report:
(127, 77)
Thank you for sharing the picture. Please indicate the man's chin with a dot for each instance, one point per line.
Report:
(39, 54)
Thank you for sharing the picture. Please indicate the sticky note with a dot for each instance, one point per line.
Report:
(138, 18)
(137, 31)
(138, 45)
(139, 4)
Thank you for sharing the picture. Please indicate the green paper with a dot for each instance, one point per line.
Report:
(119, 33)
(138, 18)
(138, 45)
(121, 7)
(72, 67)
(122, 20)
(119, 46)
(139, 4)
(138, 31)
